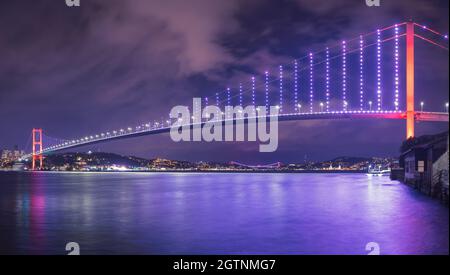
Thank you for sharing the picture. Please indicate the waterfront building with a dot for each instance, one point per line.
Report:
(425, 163)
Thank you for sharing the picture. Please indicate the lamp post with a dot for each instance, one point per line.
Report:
(321, 107)
(446, 107)
(370, 105)
(421, 106)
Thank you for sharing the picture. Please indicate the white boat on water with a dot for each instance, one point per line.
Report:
(378, 171)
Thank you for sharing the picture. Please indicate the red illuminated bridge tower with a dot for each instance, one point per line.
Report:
(410, 113)
(37, 148)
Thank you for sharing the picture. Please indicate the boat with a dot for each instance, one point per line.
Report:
(378, 171)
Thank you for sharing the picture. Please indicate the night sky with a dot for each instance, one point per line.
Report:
(112, 64)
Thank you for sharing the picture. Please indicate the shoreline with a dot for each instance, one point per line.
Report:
(207, 171)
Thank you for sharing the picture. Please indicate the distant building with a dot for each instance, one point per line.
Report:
(163, 164)
(5, 154)
(11, 155)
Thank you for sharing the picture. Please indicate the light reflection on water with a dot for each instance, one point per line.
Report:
(161, 213)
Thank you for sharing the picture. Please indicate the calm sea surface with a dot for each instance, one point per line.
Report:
(158, 213)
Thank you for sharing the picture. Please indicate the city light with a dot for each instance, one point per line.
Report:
(421, 106)
(446, 107)
(370, 105)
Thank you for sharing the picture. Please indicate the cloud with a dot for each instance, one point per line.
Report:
(187, 31)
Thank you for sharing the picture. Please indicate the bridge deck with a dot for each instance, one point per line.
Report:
(144, 131)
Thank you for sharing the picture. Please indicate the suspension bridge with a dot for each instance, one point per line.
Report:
(370, 76)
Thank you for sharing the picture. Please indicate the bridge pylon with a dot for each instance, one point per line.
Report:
(410, 113)
(37, 148)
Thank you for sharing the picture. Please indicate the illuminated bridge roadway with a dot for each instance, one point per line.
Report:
(146, 129)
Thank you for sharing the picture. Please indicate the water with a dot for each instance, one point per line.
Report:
(145, 213)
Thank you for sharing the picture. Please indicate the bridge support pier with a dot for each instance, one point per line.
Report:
(37, 143)
(410, 113)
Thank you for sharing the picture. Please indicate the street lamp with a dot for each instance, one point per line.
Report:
(446, 107)
(321, 107)
(421, 106)
(370, 105)
(345, 105)
(299, 108)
